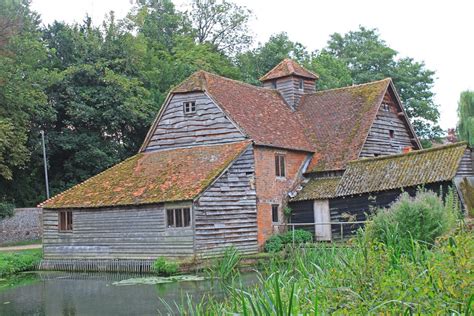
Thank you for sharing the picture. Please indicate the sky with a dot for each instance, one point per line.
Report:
(440, 33)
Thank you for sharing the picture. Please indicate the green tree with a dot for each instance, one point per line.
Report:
(369, 58)
(466, 117)
(333, 72)
(22, 76)
(255, 63)
(222, 24)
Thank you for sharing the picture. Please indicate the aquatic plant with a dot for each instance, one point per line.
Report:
(164, 267)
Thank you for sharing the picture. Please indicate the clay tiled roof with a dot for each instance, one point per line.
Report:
(338, 121)
(172, 175)
(403, 170)
(261, 113)
(318, 188)
(288, 67)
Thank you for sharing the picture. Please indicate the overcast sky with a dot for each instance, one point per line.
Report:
(440, 33)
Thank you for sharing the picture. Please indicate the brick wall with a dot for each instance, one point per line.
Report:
(25, 224)
(273, 190)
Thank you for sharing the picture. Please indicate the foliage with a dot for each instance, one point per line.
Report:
(164, 267)
(276, 243)
(466, 117)
(287, 211)
(14, 262)
(422, 219)
(357, 280)
(333, 72)
(6, 209)
(369, 58)
(226, 267)
(222, 24)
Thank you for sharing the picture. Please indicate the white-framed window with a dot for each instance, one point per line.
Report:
(65, 221)
(189, 107)
(301, 84)
(178, 217)
(280, 165)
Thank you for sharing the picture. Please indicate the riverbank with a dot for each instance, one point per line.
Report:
(16, 261)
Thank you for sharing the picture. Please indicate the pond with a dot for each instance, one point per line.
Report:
(61, 293)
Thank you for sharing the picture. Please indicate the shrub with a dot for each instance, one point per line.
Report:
(163, 267)
(274, 244)
(227, 267)
(300, 237)
(6, 209)
(15, 262)
(422, 218)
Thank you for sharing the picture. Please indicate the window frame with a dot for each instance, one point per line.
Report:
(65, 222)
(275, 211)
(391, 133)
(179, 214)
(189, 107)
(280, 166)
(274, 84)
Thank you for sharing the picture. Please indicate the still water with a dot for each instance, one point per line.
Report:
(60, 293)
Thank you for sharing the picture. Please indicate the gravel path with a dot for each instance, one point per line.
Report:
(25, 247)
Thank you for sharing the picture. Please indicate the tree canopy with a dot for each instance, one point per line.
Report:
(466, 117)
(95, 88)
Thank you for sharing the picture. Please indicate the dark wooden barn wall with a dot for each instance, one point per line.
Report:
(226, 213)
(207, 126)
(466, 166)
(356, 208)
(379, 142)
(113, 233)
(303, 212)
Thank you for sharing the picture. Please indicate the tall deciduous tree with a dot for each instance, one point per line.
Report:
(222, 24)
(466, 117)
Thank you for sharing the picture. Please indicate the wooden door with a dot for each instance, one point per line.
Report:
(322, 215)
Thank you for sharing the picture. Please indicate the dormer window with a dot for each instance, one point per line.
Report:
(274, 84)
(301, 85)
(189, 107)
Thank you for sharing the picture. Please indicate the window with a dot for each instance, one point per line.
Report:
(65, 221)
(178, 217)
(275, 213)
(280, 165)
(301, 84)
(391, 133)
(189, 107)
(274, 84)
(385, 106)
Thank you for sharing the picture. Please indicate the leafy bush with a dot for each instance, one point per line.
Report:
(422, 218)
(274, 244)
(163, 267)
(15, 262)
(6, 209)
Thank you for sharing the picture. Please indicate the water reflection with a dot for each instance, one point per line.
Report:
(60, 293)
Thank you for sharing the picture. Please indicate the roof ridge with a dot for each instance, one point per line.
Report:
(388, 79)
(412, 153)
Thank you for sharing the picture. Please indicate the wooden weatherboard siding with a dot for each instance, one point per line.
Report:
(111, 233)
(226, 213)
(466, 165)
(289, 88)
(378, 141)
(208, 125)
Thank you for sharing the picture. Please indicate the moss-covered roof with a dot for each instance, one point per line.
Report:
(337, 122)
(288, 67)
(403, 170)
(155, 177)
(318, 188)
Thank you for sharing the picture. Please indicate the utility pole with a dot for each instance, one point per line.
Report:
(45, 165)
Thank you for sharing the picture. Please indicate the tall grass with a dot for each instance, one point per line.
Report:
(368, 276)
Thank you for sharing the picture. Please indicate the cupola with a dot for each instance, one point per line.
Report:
(291, 79)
